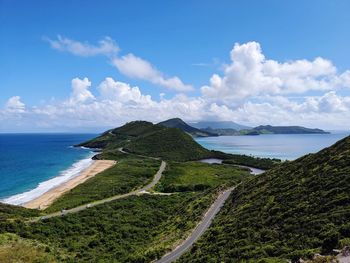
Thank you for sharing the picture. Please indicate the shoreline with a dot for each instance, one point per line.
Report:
(46, 199)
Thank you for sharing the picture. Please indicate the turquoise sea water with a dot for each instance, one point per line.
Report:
(282, 146)
(30, 164)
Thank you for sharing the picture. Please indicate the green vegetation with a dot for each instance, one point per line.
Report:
(294, 210)
(15, 212)
(16, 249)
(196, 176)
(168, 144)
(134, 229)
(180, 124)
(145, 138)
(256, 162)
(128, 174)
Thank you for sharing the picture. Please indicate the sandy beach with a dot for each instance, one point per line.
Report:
(48, 197)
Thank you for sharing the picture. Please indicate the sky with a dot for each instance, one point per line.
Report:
(85, 66)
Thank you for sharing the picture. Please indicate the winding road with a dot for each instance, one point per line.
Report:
(139, 191)
(199, 230)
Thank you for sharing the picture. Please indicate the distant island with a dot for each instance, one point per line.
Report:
(228, 128)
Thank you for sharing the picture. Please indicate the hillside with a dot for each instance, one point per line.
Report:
(168, 144)
(145, 138)
(180, 124)
(268, 129)
(294, 210)
(219, 125)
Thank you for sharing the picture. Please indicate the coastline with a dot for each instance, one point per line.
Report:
(47, 198)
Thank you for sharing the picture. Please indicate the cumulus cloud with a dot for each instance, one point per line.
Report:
(251, 74)
(14, 105)
(80, 92)
(106, 46)
(128, 65)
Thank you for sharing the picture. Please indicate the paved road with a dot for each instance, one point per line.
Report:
(142, 190)
(199, 230)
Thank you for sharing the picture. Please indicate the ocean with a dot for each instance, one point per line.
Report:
(281, 146)
(31, 164)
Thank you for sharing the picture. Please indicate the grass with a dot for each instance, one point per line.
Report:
(168, 144)
(11, 212)
(196, 176)
(128, 174)
(16, 249)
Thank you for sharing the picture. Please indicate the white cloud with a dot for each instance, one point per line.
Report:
(135, 67)
(119, 91)
(251, 74)
(106, 46)
(118, 102)
(80, 90)
(129, 65)
(14, 105)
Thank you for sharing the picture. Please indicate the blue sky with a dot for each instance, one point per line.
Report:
(190, 40)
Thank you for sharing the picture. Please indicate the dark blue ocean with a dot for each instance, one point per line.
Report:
(30, 164)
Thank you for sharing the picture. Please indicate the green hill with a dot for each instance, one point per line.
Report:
(145, 138)
(180, 124)
(168, 144)
(294, 210)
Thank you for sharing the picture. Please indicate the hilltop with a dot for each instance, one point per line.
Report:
(146, 138)
(180, 124)
(294, 210)
(213, 125)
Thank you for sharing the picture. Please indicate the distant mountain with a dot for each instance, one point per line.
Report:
(219, 125)
(295, 210)
(268, 129)
(180, 124)
(222, 132)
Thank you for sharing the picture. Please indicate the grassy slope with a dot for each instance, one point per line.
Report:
(15, 212)
(169, 144)
(195, 176)
(285, 212)
(16, 249)
(126, 175)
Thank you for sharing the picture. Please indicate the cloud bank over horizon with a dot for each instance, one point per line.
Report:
(251, 90)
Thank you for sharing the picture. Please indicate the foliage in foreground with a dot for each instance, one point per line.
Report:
(20, 250)
(135, 229)
(10, 212)
(292, 211)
